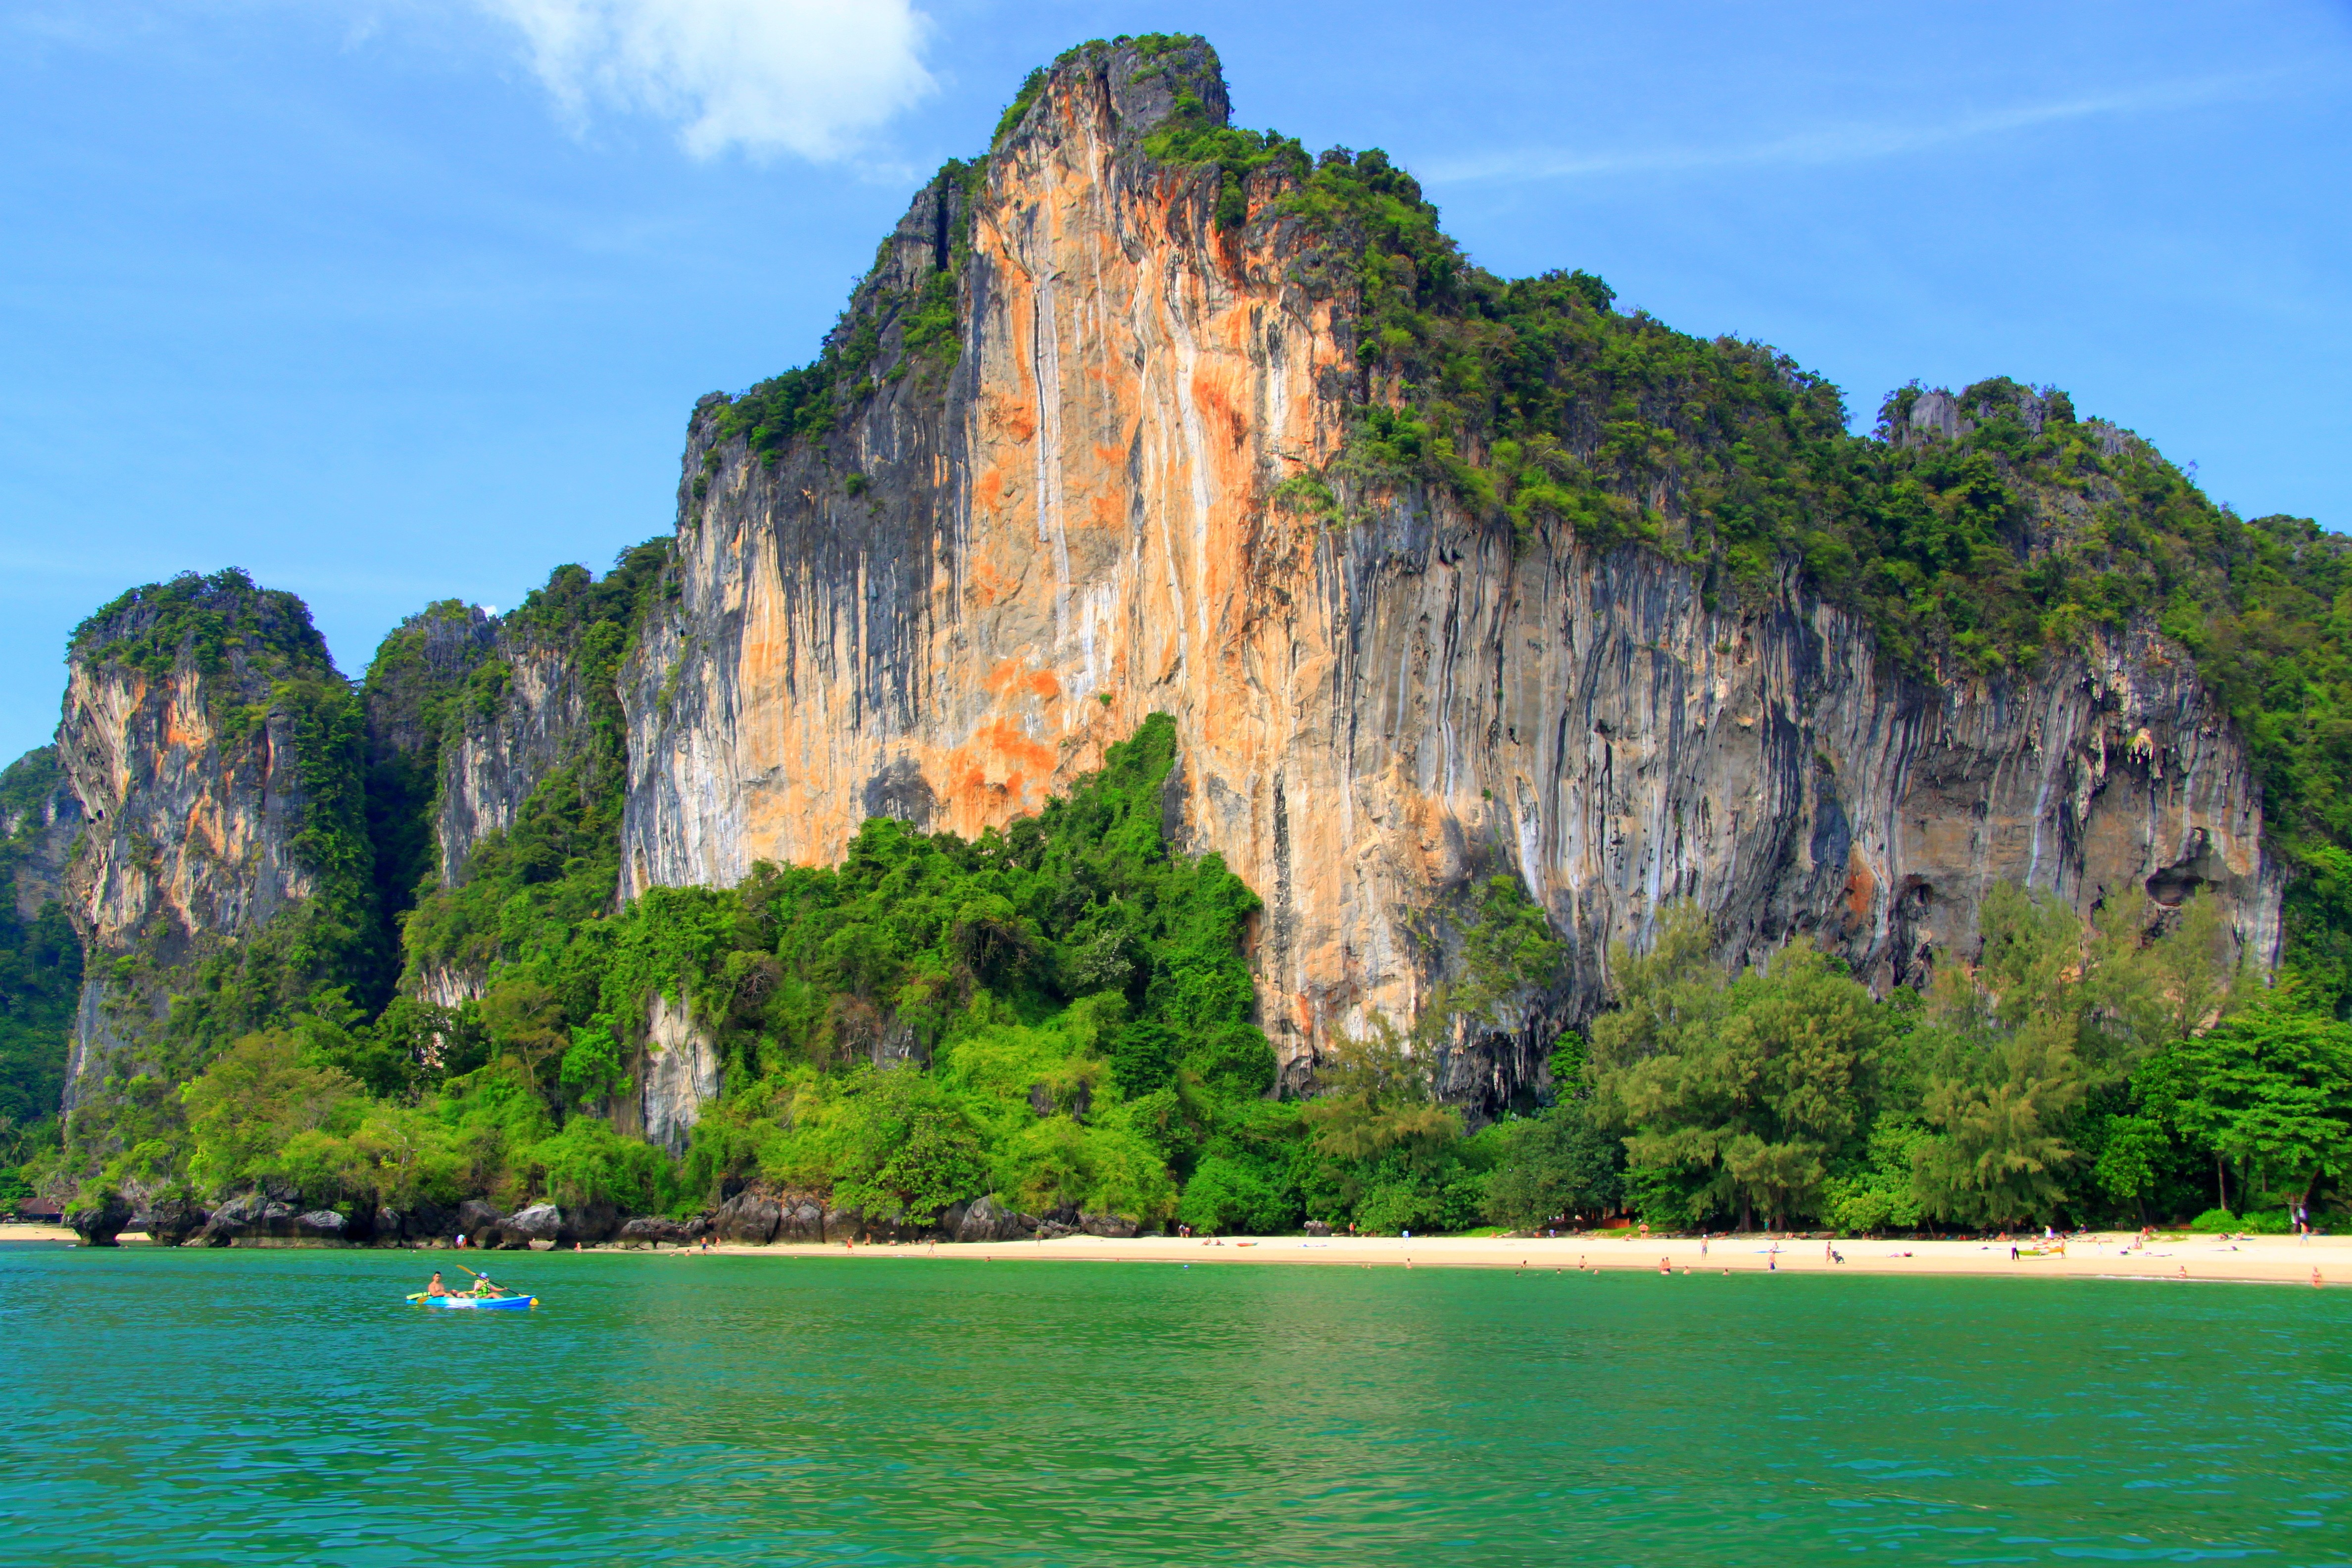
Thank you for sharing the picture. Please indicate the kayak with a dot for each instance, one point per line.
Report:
(482, 1304)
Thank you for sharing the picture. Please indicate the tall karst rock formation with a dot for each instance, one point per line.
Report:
(224, 865)
(945, 606)
(1114, 427)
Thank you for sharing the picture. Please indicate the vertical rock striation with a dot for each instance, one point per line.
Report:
(993, 565)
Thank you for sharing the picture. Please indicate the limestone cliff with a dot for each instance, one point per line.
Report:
(1000, 557)
(211, 749)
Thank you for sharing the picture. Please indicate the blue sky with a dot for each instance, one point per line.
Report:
(398, 300)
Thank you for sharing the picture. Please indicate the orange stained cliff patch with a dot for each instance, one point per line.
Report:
(988, 490)
(987, 583)
(1044, 684)
(1860, 889)
(1108, 509)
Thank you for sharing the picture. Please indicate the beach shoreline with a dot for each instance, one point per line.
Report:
(2277, 1260)
(2261, 1260)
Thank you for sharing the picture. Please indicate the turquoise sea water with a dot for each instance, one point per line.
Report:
(189, 1407)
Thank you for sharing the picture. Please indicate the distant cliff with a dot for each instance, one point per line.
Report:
(1157, 468)
(215, 754)
(1442, 578)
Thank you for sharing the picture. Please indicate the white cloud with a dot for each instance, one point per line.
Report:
(810, 76)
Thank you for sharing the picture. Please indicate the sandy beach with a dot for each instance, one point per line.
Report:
(2264, 1259)
(2274, 1260)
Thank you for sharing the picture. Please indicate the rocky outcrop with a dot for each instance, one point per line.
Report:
(947, 609)
(531, 717)
(748, 1219)
(987, 1219)
(179, 739)
(170, 1221)
(680, 1072)
(478, 1222)
(99, 1224)
(277, 1219)
(39, 819)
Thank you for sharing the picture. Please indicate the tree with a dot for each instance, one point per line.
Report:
(2270, 1089)
(2017, 1052)
(1558, 1164)
(1748, 1088)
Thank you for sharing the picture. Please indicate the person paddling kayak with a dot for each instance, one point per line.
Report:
(437, 1288)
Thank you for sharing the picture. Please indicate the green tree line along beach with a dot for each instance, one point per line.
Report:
(1066, 1003)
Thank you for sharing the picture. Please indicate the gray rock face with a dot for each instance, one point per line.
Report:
(478, 1222)
(588, 1224)
(654, 1230)
(1316, 1227)
(802, 1221)
(275, 1219)
(170, 1221)
(1118, 1227)
(843, 1225)
(99, 1224)
(680, 1073)
(540, 1221)
(748, 1219)
(489, 772)
(43, 832)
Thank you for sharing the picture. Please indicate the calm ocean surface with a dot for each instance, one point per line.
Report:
(189, 1407)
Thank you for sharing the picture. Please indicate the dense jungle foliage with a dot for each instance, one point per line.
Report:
(1059, 1012)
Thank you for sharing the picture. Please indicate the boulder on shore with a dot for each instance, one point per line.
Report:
(99, 1224)
(986, 1219)
(478, 1223)
(249, 1217)
(1316, 1227)
(587, 1223)
(1116, 1227)
(748, 1219)
(540, 1221)
(170, 1222)
(322, 1227)
(655, 1230)
(843, 1225)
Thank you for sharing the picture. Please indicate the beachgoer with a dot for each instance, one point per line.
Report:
(2012, 1255)
(1665, 1265)
(461, 1241)
(1772, 1261)
(2314, 1279)
(439, 1288)
(1702, 1247)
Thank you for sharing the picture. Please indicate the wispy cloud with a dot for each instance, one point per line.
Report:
(1854, 141)
(807, 77)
